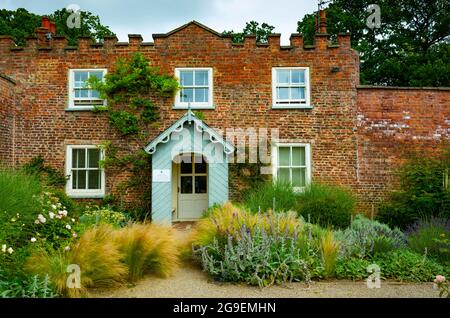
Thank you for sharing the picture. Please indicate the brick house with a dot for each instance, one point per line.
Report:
(330, 128)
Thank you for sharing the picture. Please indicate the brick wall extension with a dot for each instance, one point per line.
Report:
(242, 76)
(393, 122)
(7, 106)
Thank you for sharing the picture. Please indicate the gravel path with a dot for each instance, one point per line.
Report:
(189, 281)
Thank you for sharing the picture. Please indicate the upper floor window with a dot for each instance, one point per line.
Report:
(290, 87)
(292, 164)
(86, 176)
(81, 96)
(196, 88)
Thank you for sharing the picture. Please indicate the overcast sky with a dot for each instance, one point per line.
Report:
(160, 16)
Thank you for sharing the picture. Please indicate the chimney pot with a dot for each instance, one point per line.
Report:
(46, 22)
(52, 28)
(321, 22)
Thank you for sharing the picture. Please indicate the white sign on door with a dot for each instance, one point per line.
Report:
(161, 175)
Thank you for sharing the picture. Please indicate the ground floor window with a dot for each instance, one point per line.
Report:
(292, 163)
(86, 177)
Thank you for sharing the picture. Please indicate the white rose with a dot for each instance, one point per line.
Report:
(68, 227)
(51, 215)
(41, 218)
(75, 235)
(67, 248)
(4, 248)
(53, 207)
(73, 220)
(36, 222)
(10, 250)
(33, 239)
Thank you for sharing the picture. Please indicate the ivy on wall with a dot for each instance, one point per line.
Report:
(130, 91)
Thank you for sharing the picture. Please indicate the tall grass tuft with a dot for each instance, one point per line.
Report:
(148, 248)
(96, 253)
(329, 248)
(19, 194)
(228, 220)
(263, 197)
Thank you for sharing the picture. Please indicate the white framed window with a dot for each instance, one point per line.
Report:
(86, 176)
(292, 163)
(196, 88)
(81, 96)
(290, 87)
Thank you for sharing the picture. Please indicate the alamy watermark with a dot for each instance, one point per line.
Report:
(74, 19)
(374, 19)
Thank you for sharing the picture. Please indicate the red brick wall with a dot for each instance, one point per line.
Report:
(7, 105)
(391, 123)
(242, 93)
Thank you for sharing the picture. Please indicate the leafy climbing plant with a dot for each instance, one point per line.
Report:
(131, 90)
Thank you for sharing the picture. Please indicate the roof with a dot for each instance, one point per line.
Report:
(189, 117)
(204, 27)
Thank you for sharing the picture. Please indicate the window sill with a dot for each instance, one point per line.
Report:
(193, 107)
(86, 195)
(292, 106)
(80, 109)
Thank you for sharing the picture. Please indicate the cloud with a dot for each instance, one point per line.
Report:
(161, 16)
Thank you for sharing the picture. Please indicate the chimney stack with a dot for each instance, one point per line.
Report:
(45, 32)
(321, 22)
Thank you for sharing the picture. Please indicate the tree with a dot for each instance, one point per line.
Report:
(411, 48)
(252, 28)
(21, 23)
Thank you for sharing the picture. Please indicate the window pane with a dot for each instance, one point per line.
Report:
(201, 78)
(81, 93)
(94, 179)
(186, 167)
(283, 175)
(298, 77)
(283, 76)
(298, 156)
(93, 158)
(81, 76)
(284, 156)
(187, 78)
(201, 95)
(282, 93)
(187, 95)
(79, 179)
(78, 158)
(298, 177)
(298, 93)
(200, 184)
(186, 184)
(200, 167)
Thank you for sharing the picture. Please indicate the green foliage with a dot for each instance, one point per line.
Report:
(26, 286)
(252, 28)
(365, 238)
(404, 265)
(423, 191)
(255, 258)
(271, 195)
(326, 205)
(128, 91)
(96, 215)
(46, 174)
(352, 268)
(411, 48)
(430, 234)
(20, 23)
(18, 194)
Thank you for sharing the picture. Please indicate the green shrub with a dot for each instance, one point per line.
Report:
(263, 196)
(26, 287)
(405, 265)
(327, 205)
(422, 191)
(94, 215)
(428, 234)
(352, 268)
(46, 174)
(365, 238)
(254, 258)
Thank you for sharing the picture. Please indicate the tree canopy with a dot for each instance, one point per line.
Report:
(411, 47)
(252, 28)
(21, 23)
